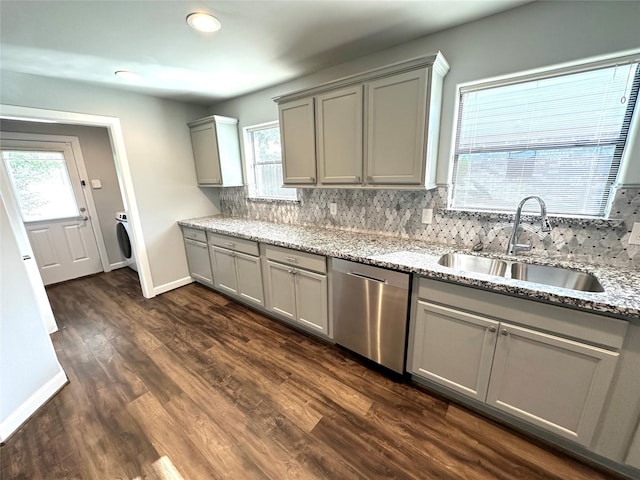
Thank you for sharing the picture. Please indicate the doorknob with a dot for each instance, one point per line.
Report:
(82, 209)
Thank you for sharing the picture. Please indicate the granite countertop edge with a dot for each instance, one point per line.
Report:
(621, 297)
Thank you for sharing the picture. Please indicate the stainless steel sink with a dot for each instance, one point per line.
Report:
(556, 277)
(471, 263)
(542, 274)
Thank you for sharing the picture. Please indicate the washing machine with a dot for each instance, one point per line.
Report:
(123, 232)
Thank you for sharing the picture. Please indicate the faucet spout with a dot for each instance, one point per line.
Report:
(513, 247)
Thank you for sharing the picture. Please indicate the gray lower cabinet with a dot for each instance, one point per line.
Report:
(454, 348)
(294, 291)
(555, 383)
(195, 243)
(236, 267)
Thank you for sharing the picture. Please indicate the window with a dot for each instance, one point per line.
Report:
(264, 163)
(560, 136)
(41, 183)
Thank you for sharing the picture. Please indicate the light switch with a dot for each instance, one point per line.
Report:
(634, 239)
(96, 184)
(333, 208)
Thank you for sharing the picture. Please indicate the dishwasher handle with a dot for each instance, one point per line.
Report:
(367, 277)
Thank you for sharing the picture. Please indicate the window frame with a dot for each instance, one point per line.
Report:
(250, 164)
(632, 124)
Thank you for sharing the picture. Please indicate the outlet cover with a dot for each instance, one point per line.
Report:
(427, 216)
(333, 208)
(634, 239)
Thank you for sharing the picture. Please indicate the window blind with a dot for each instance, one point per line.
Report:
(560, 137)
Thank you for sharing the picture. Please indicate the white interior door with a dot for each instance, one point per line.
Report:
(46, 183)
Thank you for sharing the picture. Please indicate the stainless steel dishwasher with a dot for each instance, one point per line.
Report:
(370, 308)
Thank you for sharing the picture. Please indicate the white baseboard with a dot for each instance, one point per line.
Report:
(116, 265)
(31, 405)
(172, 285)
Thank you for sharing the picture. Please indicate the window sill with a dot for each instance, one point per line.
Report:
(283, 201)
(509, 217)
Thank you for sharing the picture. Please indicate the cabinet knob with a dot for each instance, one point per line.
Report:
(357, 179)
(369, 178)
(493, 329)
(313, 179)
(504, 331)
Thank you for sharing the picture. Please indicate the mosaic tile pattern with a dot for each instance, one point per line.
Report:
(398, 213)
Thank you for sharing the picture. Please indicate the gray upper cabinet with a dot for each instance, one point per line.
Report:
(396, 128)
(297, 132)
(378, 128)
(216, 151)
(339, 136)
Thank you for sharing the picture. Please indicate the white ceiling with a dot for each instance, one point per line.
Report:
(261, 43)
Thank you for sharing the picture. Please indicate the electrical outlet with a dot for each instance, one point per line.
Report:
(427, 216)
(333, 208)
(634, 239)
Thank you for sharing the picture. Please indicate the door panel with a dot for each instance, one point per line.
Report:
(282, 298)
(396, 128)
(198, 261)
(43, 247)
(297, 133)
(340, 136)
(249, 278)
(205, 154)
(224, 269)
(558, 384)
(311, 300)
(75, 242)
(454, 349)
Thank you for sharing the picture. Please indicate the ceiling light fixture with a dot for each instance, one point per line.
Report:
(127, 75)
(203, 22)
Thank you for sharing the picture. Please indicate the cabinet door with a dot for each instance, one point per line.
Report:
(312, 300)
(282, 297)
(205, 154)
(339, 136)
(396, 129)
(298, 138)
(454, 349)
(557, 384)
(224, 269)
(198, 261)
(249, 276)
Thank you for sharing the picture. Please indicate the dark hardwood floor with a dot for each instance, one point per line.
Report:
(191, 385)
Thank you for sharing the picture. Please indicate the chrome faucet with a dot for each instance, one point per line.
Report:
(513, 247)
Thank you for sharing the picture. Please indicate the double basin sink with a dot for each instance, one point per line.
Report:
(542, 274)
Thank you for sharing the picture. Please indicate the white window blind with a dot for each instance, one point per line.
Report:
(560, 137)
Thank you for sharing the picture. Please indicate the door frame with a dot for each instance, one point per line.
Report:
(13, 112)
(74, 143)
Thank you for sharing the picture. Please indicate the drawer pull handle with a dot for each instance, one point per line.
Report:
(367, 277)
(229, 244)
(291, 259)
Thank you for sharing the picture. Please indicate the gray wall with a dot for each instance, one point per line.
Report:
(98, 160)
(534, 36)
(158, 147)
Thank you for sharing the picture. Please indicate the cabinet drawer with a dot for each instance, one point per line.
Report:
(296, 258)
(193, 234)
(233, 243)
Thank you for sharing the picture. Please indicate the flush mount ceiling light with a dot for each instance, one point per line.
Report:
(127, 75)
(203, 22)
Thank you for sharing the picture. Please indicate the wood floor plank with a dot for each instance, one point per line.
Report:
(192, 385)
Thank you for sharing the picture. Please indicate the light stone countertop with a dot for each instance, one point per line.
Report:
(621, 297)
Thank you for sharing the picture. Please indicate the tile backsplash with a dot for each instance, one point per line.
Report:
(399, 213)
